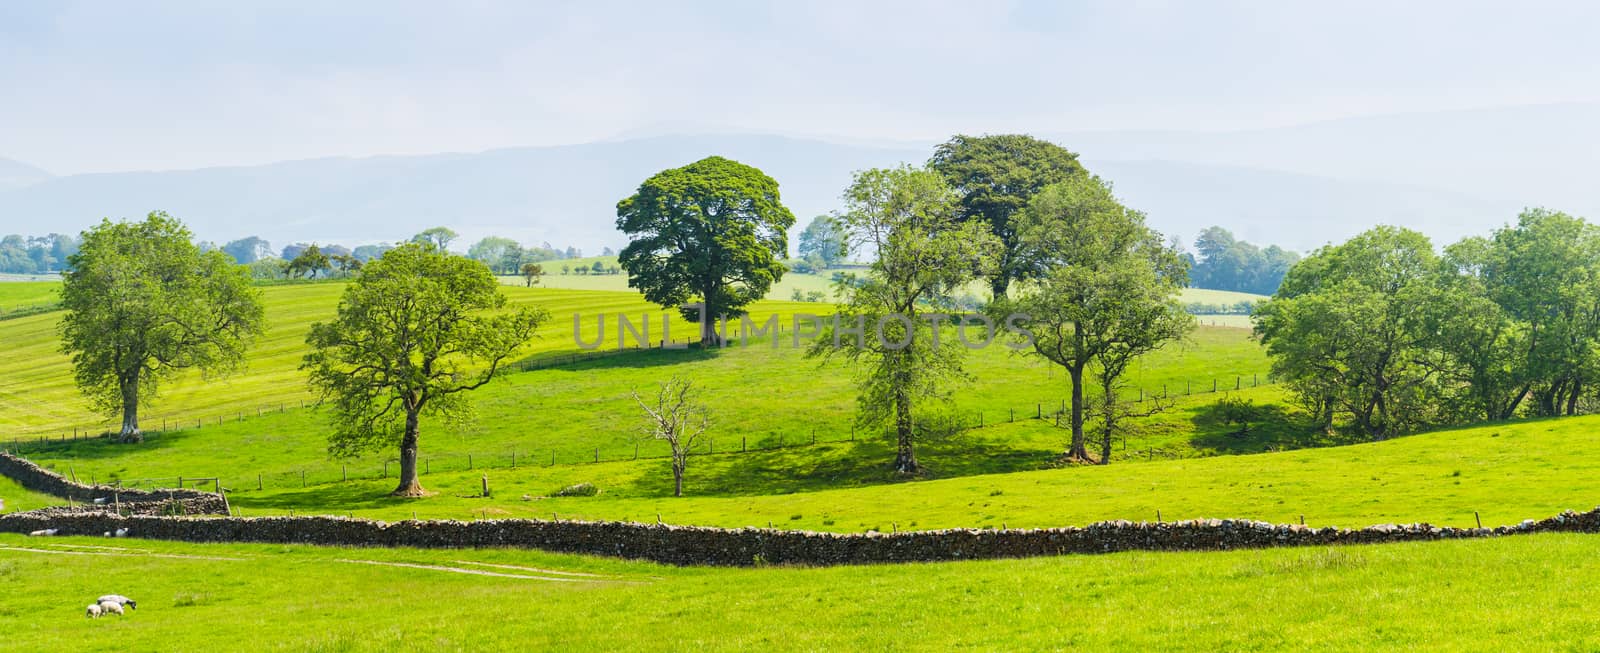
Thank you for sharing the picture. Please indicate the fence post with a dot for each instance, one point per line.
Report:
(258, 482)
(302, 478)
(1213, 385)
(513, 457)
(635, 450)
(469, 462)
(597, 454)
(1013, 414)
(552, 457)
(744, 443)
(344, 473)
(427, 466)
(1236, 382)
(385, 469)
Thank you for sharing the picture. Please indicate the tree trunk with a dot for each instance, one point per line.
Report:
(998, 285)
(409, 486)
(678, 464)
(905, 460)
(1572, 398)
(1077, 450)
(130, 412)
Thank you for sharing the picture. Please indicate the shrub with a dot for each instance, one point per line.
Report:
(579, 490)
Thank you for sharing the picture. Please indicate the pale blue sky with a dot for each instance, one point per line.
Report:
(104, 86)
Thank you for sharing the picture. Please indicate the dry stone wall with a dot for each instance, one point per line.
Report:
(689, 545)
(182, 501)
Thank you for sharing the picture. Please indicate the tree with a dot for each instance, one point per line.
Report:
(531, 273)
(308, 261)
(1545, 273)
(1226, 263)
(996, 177)
(345, 263)
(366, 253)
(414, 331)
(1102, 289)
(436, 237)
(712, 231)
(142, 304)
(248, 250)
(675, 416)
(493, 252)
(1348, 331)
(823, 241)
(597, 268)
(909, 217)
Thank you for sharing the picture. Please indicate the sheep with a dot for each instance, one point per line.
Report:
(109, 607)
(93, 612)
(122, 532)
(42, 533)
(118, 599)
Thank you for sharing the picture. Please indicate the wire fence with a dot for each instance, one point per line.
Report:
(525, 457)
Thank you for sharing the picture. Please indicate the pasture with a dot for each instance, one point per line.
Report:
(1456, 595)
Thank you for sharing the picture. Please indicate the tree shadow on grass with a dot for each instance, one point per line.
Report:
(1242, 427)
(605, 359)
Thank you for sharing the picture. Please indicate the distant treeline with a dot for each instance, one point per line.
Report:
(1222, 262)
(312, 260)
(36, 254)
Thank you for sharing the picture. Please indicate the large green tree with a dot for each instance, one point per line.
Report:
(414, 331)
(1545, 273)
(996, 176)
(1102, 290)
(887, 324)
(712, 232)
(143, 303)
(1348, 331)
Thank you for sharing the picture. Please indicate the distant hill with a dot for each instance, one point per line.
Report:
(1446, 174)
(16, 174)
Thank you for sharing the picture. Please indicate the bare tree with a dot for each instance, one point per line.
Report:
(678, 418)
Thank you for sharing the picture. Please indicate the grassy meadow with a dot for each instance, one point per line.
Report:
(1515, 592)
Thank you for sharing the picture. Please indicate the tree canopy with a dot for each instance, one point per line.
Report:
(1101, 292)
(910, 218)
(1226, 263)
(416, 329)
(713, 232)
(995, 177)
(823, 241)
(436, 237)
(142, 304)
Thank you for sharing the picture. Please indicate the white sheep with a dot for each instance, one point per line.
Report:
(110, 607)
(118, 599)
(43, 533)
(93, 612)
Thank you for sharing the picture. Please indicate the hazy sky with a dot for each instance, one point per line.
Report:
(103, 86)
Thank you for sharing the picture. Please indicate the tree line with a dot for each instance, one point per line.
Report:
(1389, 335)
(36, 254)
(418, 326)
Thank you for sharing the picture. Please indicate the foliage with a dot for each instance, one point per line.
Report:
(1101, 294)
(36, 254)
(438, 238)
(578, 490)
(143, 303)
(824, 243)
(407, 341)
(713, 231)
(531, 273)
(248, 250)
(909, 217)
(1347, 331)
(996, 177)
(1226, 263)
(308, 262)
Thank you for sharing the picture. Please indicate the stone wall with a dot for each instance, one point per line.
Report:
(33, 477)
(689, 545)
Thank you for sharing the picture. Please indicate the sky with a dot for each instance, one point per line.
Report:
(111, 86)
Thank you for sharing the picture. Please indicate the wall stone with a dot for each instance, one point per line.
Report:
(692, 545)
(152, 502)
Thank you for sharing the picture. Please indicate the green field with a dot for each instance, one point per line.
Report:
(1522, 592)
(37, 395)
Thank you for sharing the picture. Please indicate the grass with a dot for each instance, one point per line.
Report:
(1516, 592)
(37, 395)
(1505, 472)
(27, 297)
(19, 499)
(573, 411)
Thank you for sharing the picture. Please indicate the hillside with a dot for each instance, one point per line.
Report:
(37, 395)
